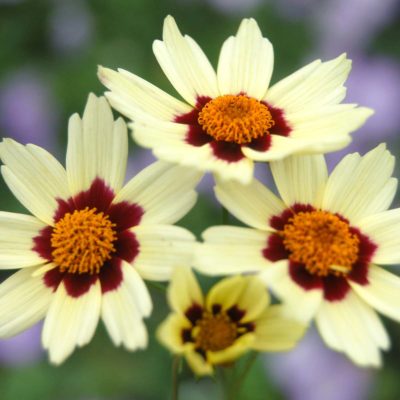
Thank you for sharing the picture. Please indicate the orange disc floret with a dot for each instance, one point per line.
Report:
(82, 241)
(321, 241)
(214, 332)
(239, 119)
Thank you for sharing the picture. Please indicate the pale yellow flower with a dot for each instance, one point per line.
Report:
(233, 318)
(233, 117)
(319, 247)
(92, 240)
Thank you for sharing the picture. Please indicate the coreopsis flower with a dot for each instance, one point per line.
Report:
(320, 246)
(90, 242)
(233, 117)
(234, 317)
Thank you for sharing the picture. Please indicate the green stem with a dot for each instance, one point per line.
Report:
(225, 216)
(221, 372)
(235, 388)
(157, 286)
(175, 377)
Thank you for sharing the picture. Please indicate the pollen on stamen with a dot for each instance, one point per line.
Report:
(238, 119)
(214, 332)
(322, 242)
(83, 241)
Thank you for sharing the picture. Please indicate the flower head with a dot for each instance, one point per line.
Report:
(234, 317)
(85, 252)
(319, 247)
(233, 117)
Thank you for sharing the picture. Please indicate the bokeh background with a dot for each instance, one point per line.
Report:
(49, 52)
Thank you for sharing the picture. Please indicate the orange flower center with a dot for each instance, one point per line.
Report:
(215, 332)
(238, 119)
(322, 242)
(83, 241)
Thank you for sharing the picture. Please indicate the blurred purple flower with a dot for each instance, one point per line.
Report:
(71, 26)
(22, 349)
(232, 7)
(314, 372)
(295, 9)
(27, 110)
(349, 25)
(138, 159)
(373, 83)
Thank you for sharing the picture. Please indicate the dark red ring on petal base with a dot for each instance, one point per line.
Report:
(228, 151)
(335, 288)
(124, 215)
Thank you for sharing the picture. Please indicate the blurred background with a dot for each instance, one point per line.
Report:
(49, 54)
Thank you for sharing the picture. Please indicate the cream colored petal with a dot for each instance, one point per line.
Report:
(35, 177)
(232, 353)
(97, 147)
(17, 232)
(185, 64)
(314, 85)
(246, 62)
(383, 229)
(70, 322)
(135, 286)
(161, 249)
(326, 122)
(252, 204)
(274, 331)
(184, 291)
(282, 146)
(277, 92)
(164, 191)
(169, 332)
(154, 134)
(24, 300)
(248, 293)
(301, 179)
(123, 309)
(300, 304)
(239, 171)
(231, 250)
(133, 96)
(197, 363)
(168, 141)
(352, 327)
(361, 186)
(382, 292)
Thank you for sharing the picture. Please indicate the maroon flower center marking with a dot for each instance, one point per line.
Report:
(89, 241)
(215, 329)
(231, 121)
(323, 249)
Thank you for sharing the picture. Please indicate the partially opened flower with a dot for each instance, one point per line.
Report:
(320, 246)
(233, 117)
(90, 243)
(233, 318)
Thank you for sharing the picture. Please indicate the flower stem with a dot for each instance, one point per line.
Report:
(236, 386)
(157, 286)
(225, 216)
(175, 377)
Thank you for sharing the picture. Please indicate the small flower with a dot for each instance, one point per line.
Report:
(232, 117)
(235, 317)
(85, 252)
(320, 246)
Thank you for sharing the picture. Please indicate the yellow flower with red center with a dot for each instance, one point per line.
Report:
(92, 240)
(233, 116)
(233, 318)
(319, 246)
